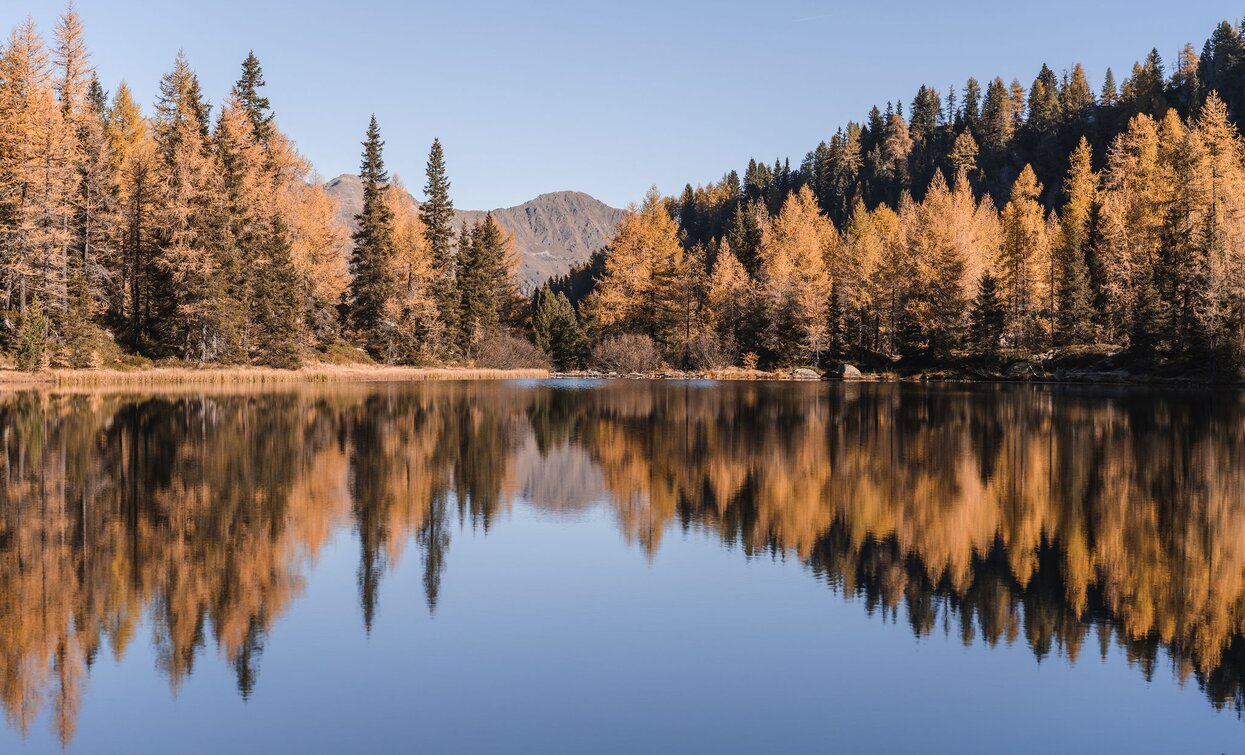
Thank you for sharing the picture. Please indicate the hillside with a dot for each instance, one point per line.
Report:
(551, 232)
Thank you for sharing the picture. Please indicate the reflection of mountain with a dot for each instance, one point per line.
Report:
(1061, 519)
(562, 480)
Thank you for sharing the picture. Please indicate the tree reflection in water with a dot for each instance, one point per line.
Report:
(1053, 517)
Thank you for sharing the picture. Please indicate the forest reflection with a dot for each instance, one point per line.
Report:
(1010, 514)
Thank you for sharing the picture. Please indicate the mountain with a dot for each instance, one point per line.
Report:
(551, 232)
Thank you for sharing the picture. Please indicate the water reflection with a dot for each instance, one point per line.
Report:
(1054, 518)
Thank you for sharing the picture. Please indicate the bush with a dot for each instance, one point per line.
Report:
(506, 352)
(627, 353)
(707, 352)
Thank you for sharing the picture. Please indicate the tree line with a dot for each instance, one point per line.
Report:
(1001, 220)
(1008, 221)
(205, 237)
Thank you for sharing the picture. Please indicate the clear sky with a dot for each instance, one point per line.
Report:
(604, 97)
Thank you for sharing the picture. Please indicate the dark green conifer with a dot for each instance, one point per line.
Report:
(372, 286)
(483, 282)
(744, 236)
(437, 212)
(257, 107)
(556, 329)
(988, 317)
(278, 301)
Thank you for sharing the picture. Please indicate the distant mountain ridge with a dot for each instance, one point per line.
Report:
(552, 232)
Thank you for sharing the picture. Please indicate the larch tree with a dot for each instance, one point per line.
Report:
(1207, 265)
(1073, 298)
(963, 156)
(730, 304)
(941, 239)
(318, 247)
(856, 317)
(689, 291)
(636, 292)
(1024, 247)
(1134, 185)
(132, 161)
(247, 186)
(94, 211)
(794, 281)
(420, 327)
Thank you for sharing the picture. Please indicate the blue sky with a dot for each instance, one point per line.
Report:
(604, 97)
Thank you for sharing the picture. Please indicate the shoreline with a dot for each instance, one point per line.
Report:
(256, 376)
(157, 377)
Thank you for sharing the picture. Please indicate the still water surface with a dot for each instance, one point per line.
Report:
(624, 566)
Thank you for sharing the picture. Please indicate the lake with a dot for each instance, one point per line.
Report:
(626, 566)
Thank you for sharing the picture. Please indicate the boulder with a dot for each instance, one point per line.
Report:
(843, 372)
(804, 373)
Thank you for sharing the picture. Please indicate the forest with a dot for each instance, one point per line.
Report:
(989, 223)
(983, 224)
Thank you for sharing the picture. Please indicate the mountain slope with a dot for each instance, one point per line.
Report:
(551, 232)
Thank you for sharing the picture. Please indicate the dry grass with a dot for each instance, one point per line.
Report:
(741, 373)
(223, 376)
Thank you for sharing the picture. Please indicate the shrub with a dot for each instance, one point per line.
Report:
(707, 352)
(627, 353)
(506, 352)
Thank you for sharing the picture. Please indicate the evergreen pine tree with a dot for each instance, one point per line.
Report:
(437, 212)
(556, 329)
(257, 107)
(373, 290)
(988, 317)
(1149, 321)
(278, 301)
(483, 282)
(744, 237)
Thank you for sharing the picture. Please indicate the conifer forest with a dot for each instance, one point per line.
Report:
(997, 221)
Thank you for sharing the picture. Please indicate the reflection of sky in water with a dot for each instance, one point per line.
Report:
(556, 637)
(556, 631)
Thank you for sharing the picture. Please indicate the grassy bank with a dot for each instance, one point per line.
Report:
(166, 376)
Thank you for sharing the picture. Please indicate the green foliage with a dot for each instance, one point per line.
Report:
(437, 212)
(744, 237)
(556, 329)
(988, 317)
(483, 282)
(32, 338)
(257, 107)
(278, 302)
(373, 287)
